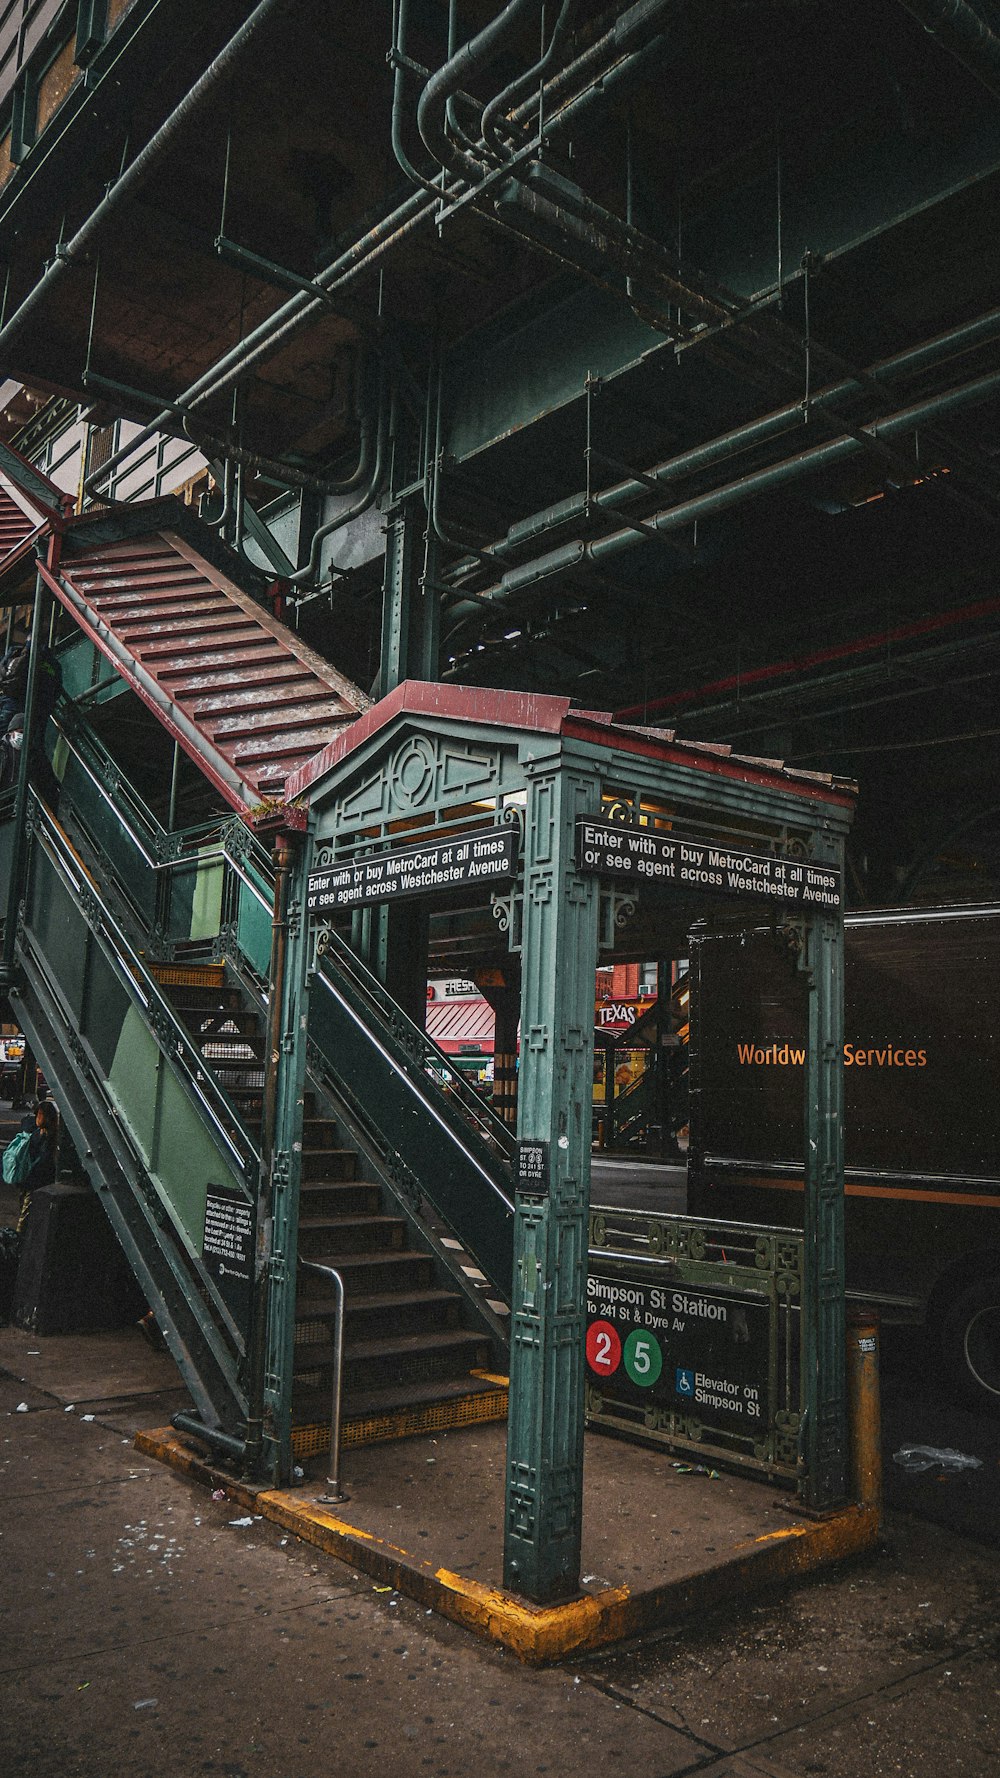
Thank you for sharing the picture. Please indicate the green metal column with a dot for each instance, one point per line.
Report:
(30, 749)
(410, 635)
(410, 601)
(547, 1381)
(278, 1207)
(823, 1333)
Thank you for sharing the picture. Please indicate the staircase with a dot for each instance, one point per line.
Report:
(410, 1358)
(155, 1053)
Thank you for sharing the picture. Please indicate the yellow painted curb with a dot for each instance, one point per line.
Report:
(536, 1634)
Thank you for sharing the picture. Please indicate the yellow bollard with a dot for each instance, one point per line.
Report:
(864, 1408)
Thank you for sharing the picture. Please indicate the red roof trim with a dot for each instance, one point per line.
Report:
(580, 727)
(457, 703)
(535, 714)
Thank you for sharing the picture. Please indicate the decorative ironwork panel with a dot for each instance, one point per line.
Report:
(694, 1338)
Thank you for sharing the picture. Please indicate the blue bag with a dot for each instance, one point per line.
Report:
(17, 1158)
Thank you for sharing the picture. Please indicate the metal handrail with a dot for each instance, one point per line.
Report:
(334, 1495)
(133, 973)
(422, 1049)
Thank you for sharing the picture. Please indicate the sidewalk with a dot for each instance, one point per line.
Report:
(149, 1629)
(662, 1538)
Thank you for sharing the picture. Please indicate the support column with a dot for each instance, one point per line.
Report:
(547, 1381)
(269, 1358)
(31, 745)
(823, 1331)
(410, 628)
(410, 602)
(504, 998)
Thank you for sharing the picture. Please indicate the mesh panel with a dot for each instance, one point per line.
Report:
(179, 975)
(470, 1410)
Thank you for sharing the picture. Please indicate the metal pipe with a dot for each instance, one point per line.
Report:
(16, 886)
(780, 421)
(297, 313)
(504, 100)
(129, 182)
(334, 1495)
(211, 1435)
(964, 33)
(475, 54)
(357, 507)
(578, 553)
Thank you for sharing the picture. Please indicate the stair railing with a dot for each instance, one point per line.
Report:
(334, 1495)
(172, 1038)
(420, 1050)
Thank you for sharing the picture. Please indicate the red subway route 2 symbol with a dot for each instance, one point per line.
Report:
(604, 1348)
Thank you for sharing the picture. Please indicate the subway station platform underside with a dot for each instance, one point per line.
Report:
(660, 340)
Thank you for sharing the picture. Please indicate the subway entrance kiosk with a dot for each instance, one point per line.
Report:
(516, 825)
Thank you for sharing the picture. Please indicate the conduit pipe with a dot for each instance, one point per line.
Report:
(573, 509)
(964, 33)
(494, 111)
(357, 507)
(281, 327)
(474, 55)
(129, 183)
(580, 554)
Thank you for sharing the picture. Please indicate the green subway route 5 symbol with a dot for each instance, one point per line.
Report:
(643, 1358)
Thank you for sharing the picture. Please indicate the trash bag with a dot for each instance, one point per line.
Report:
(916, 1458)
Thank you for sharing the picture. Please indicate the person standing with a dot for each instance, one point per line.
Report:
(42, 1149)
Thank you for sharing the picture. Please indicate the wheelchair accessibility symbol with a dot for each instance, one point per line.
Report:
(684, 1382)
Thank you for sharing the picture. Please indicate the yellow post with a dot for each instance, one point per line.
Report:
(864, 1409)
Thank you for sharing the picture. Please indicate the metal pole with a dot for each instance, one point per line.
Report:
(16, 886)
(257, 1336)
(334, 1494)
(133, 177)
(174, 778)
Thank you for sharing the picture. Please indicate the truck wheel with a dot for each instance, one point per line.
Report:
(971, 1342)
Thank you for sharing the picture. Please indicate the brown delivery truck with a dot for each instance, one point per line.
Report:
(922, 1112)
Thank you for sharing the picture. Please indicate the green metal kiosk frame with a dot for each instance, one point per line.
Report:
(432, 763)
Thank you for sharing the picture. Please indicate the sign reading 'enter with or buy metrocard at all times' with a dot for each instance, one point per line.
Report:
(460, 861)
(641, 855)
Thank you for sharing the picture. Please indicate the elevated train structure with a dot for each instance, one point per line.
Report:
(402, 386)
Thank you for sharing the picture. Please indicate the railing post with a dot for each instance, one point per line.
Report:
(15, 887)
(823, 1334)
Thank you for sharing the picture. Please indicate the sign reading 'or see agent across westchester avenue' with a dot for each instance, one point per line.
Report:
(461, 861)
(639, 855)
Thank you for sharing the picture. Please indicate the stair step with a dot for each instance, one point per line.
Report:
(311, 1406)
(368, 1274)
(474, 1347)
(324, 1237)
(408, 1310)
(329, 1163)
(333, 1197)
(396, 1362)
(318, 1132)
(228, 1021)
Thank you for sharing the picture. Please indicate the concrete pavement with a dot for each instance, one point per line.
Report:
(147, 1628)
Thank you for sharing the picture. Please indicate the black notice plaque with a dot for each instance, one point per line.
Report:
(227, 1248)
(532, 1176)
(640, 855)
(696, 1351)
(434, 866)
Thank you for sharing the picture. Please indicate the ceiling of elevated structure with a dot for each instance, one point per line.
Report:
(845, 618)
